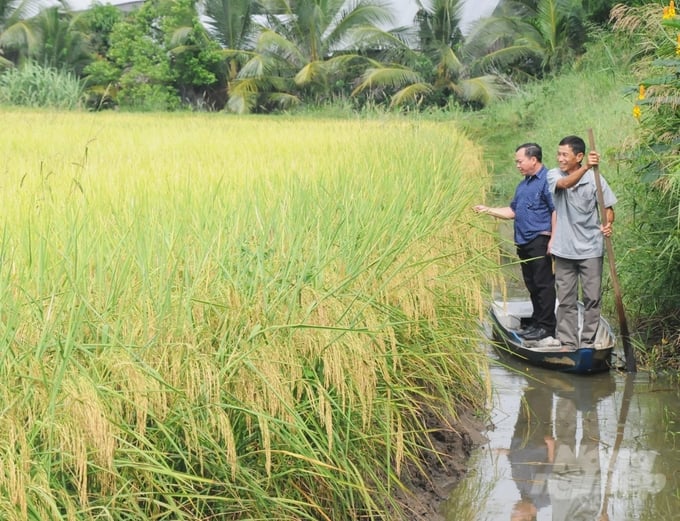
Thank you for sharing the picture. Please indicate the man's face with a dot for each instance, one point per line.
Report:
(567, 160)
(526, 165)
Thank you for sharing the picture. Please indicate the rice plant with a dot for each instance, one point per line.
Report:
(209, 317)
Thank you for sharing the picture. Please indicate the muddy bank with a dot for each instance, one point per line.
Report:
(443, 467)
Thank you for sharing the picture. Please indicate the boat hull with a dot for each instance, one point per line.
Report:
(507, 317)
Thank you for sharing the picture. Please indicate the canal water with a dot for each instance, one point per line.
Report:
(602, 447)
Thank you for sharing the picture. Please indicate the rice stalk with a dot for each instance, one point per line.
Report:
(203, 327)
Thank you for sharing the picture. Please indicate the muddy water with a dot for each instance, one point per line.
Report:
(568, 447)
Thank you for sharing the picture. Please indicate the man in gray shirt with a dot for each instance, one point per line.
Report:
(578, 241)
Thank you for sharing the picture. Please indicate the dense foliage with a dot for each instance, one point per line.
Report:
(654, 240)
(270, 55)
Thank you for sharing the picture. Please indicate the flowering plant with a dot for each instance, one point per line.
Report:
(657, 104)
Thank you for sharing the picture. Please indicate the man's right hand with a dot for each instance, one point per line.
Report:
(593, 159)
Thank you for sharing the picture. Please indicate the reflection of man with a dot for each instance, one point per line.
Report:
(576, 477)
(531, 453)
(554, 452)
(523, 510)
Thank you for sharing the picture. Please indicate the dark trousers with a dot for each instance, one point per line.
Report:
(537, 271)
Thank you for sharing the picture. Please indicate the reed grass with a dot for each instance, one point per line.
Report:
(33, 85)
(209, 317)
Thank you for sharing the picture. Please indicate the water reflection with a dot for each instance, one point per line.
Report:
(570, 447)
(553, 453)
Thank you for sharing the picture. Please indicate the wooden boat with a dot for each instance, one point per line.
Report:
(508, 317)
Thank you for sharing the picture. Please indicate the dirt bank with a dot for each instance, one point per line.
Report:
(443, 467)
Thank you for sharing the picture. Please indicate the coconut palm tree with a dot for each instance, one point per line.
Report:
(62, 43)
(231, 23)
(302, 46)
(533, 37)
(433, 72)
(17, 37)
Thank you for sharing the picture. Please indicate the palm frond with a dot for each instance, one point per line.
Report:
(481, 89)
(179, 36)
(508, 55)
(254, 68)
(366, 16)
(341, 62)
(20, 36)
(283, 100)
(411, 94)
(230, 21)
(243, 95)
(547, 20)
(516, 9)
(241, 104)
(371, 37)
(310, 72)
(449, 63)
(12, 12)
(442, 21)
(488, 34)
(393, 76)
(237, 54)
(271, 42)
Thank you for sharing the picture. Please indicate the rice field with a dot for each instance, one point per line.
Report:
(211, 317)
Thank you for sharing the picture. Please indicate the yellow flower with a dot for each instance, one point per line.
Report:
(641, 95)
(637, 112)
(669, 10)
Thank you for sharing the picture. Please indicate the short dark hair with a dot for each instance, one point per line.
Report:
(531, 150)
(578, 146)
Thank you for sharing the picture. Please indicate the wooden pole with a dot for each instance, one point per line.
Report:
(623, 324)
(620, 426)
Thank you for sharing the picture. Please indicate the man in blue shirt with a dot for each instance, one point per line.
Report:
(534, 214)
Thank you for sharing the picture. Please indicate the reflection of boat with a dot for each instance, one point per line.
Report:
(510, 316)
(584, 390)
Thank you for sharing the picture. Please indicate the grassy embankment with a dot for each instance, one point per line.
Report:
(212, 317)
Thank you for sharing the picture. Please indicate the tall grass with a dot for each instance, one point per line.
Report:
(209, 317)
(33, 85)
